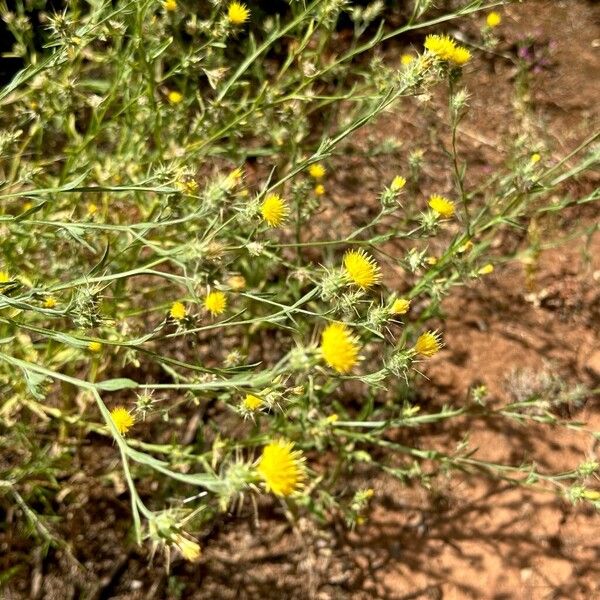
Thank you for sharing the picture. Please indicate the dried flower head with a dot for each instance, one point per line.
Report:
(281, 468)
(442, 206)
(122, 419)
(428, 343)
(236, 282)
(339, 348)
(190, 549)
(237, 13)
(215, 302)
(361, 269)
(274, 210)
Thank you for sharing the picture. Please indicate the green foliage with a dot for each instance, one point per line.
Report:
(137, 152)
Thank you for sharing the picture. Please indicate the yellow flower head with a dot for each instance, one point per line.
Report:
(466, 247)
(122, 419)
(398, 183)
(237, 13)
(178, 311)
(190, 549)
(215, 303)
(361, 268)
(535, 158)
(94, 346)
(236, 175)
(442, 206)
(339, 348)
(174, 97)
(461, 55)
(274, 210)
(170, 5)
(406, 59)
(428, 343)
(281, 468)
(50, 302)
(486, 269)
(400, 306)
(4, 277)
(319, 190)
(252, 402)
(445, 48)
(493, 19)
(316, 170)
(92, 209)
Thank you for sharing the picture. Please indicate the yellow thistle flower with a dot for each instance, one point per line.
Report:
(215, 303)
(319, 190)
(50, 302)
(361, 268)
(400, 306)
(190, 549)
(445, 48)
(442, 206)
(174, 97)
(94, 346)
(593, 495)
(428, 344)
(535, 158)
(486, 269)
(461, 55)
(466, 247)
(122, 419)
(274, 210)
(339, 348)
(493, 19)
(4, 277)
(237, 13)
(92, 209)
(236, 175)
(397, 183)
(316, 170)
(252, 402)
(170, 5)
(406, 59)
(333, 418)
(178, 311)
(281, 468)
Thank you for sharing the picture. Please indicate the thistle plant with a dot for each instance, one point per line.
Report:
(165, 177)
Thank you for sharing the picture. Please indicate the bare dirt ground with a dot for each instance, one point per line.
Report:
(465, 537)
